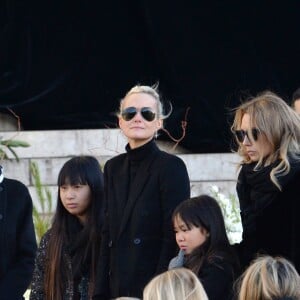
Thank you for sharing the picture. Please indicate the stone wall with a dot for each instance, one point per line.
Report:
(50, 149)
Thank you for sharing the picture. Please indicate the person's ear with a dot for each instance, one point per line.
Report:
(120, 122)
(159, 124)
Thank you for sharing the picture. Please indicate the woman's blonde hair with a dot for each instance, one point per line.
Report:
(175, 284)
(279, 123)
(269, 278)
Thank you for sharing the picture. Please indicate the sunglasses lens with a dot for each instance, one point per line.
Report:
(148, 114)
(255, 133)
(128, 113)
(240, 135)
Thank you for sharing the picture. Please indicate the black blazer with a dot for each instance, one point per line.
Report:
(138, 242)
(17, 240)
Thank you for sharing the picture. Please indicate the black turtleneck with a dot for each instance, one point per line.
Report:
(136, 157)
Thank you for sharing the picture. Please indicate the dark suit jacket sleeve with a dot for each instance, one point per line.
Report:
(175, 188)
(102, 276)
(19, 273)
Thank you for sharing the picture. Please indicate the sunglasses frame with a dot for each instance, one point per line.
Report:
(130, 112)
(241, 134)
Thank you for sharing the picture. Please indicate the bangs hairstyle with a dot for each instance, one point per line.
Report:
(152, 91)
(79, 170)
(279, 124)
(203, 212)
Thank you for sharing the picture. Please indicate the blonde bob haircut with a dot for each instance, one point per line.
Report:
(269, 278)
(279, 124)
(175, 284)
(153, 92)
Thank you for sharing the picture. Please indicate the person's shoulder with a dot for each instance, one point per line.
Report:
(112, 164)
(291, 179)
(116, 159)
(170, 164)
(169, 157)
(14, 184)
(221, 262)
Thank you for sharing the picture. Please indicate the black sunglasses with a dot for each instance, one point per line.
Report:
(241, 134)
(128, 113)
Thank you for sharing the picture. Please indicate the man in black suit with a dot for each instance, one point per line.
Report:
(17, 239)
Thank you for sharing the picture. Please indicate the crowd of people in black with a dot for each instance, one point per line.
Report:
(133, 231)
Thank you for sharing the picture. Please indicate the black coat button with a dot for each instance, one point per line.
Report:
(137, 241)
(110, 244)
(1, 188)
(1, 217)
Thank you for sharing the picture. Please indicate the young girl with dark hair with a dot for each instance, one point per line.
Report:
(67, 256)
(204, 246)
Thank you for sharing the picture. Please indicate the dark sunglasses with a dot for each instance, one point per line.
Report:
(241, 134)
(128, 113)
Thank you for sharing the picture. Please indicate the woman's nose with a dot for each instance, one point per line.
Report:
(138, 117)
(179, 237)
(69, 193)
(247, 140)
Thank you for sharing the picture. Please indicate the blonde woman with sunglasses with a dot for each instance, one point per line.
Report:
(267, 132)
(142, 187)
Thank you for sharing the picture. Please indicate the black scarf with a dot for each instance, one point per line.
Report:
(256, 191)
(76, 247)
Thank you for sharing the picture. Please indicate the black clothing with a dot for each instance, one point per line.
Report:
(17, 239)
(74, 289)
(217, 274)
(142, 188)
(270, 217)
(217, 277)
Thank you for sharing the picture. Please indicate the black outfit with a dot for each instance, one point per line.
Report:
(217, 277)
(74, 288)
(17, 239)
(142, 188)
(217, 274)
(270, 217)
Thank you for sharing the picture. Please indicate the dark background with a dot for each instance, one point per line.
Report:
(66, 64)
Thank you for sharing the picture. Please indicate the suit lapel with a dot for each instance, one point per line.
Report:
(120, 188)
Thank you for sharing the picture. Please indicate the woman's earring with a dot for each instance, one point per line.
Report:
(155, 135)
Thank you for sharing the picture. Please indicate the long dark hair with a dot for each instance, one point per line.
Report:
(204, 212)
(82, 242)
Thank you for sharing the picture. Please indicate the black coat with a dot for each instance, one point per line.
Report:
(217, 278)
(138, 240)
(17, 240)
(270, 217)
(217, 273)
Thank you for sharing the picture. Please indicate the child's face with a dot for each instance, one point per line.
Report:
(188, 239)
(76, 199)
